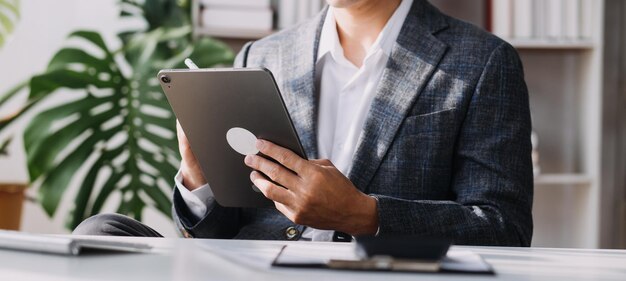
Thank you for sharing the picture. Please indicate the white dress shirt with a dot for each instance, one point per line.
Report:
(346, 93)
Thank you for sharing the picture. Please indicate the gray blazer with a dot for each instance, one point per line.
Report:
(446, 145)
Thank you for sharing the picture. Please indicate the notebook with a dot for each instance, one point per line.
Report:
(62, 245)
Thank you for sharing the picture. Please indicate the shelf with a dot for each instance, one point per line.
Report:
(521, 44)
(563, 179)
(546, 44)
(233, 33)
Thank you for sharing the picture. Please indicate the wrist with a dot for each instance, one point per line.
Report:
(189, 181)
(364, 217)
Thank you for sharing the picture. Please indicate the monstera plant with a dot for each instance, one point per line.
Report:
(116, 134)
(9, 14)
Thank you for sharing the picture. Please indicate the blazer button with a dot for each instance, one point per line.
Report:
(291, 233)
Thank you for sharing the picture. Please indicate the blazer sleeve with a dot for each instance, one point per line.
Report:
(219, 222)
(492, 173)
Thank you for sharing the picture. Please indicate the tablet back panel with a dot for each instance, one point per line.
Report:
(208, 103)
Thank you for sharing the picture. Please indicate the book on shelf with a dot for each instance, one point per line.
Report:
(315, 6)
(501, 13)
(246, 4)
(522, 18)
(289, 13)
(292, 12)
(586, 21)
(571, 19)
(303, 10)
(552, 20)
(226, 18)
(286, 15)
(540, 19)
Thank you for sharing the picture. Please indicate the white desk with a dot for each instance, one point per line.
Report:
(185, 259)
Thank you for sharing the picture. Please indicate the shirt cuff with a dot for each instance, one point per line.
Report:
(196, 200)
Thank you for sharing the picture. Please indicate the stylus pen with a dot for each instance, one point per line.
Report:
(189, 63)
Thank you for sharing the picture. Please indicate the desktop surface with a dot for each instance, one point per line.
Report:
(205, 259)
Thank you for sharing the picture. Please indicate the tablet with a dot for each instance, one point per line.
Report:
(223, 112)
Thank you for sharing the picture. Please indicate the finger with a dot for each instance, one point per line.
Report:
(183, 143)
(189, 166)
(269, 189)
(179, 131)
(273, 170)
(284, 156)
(284, 210)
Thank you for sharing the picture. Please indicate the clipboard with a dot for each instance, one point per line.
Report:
(340, 256)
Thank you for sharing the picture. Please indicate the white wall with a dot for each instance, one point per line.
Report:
(42, 31)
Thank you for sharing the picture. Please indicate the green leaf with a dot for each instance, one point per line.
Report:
(162, 166)
(45, 145)
(13, 92)
(6, 120)
(94, 38)
(58, 178)
(9, 14)
(104, 126)
(53, 80)
(162, 202)
(5, 23)
(84, 192)
(107, 189)
(71, 55)
(86, 188)
(11, 6)
(4, 146)
(206, 53)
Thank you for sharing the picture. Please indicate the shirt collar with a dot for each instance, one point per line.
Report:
(329, 39)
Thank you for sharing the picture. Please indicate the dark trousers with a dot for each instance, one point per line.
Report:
(114, 225)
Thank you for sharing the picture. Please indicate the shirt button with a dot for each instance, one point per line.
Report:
(291, 233)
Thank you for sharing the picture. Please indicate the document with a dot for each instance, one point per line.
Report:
(343, 256)
(329, 255)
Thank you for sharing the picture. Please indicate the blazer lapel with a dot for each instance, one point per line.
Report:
(297, 68)
(413, 60)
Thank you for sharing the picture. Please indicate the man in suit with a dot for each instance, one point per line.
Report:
(414, 123)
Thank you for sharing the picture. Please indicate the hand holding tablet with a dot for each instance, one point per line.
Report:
(221, 113)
